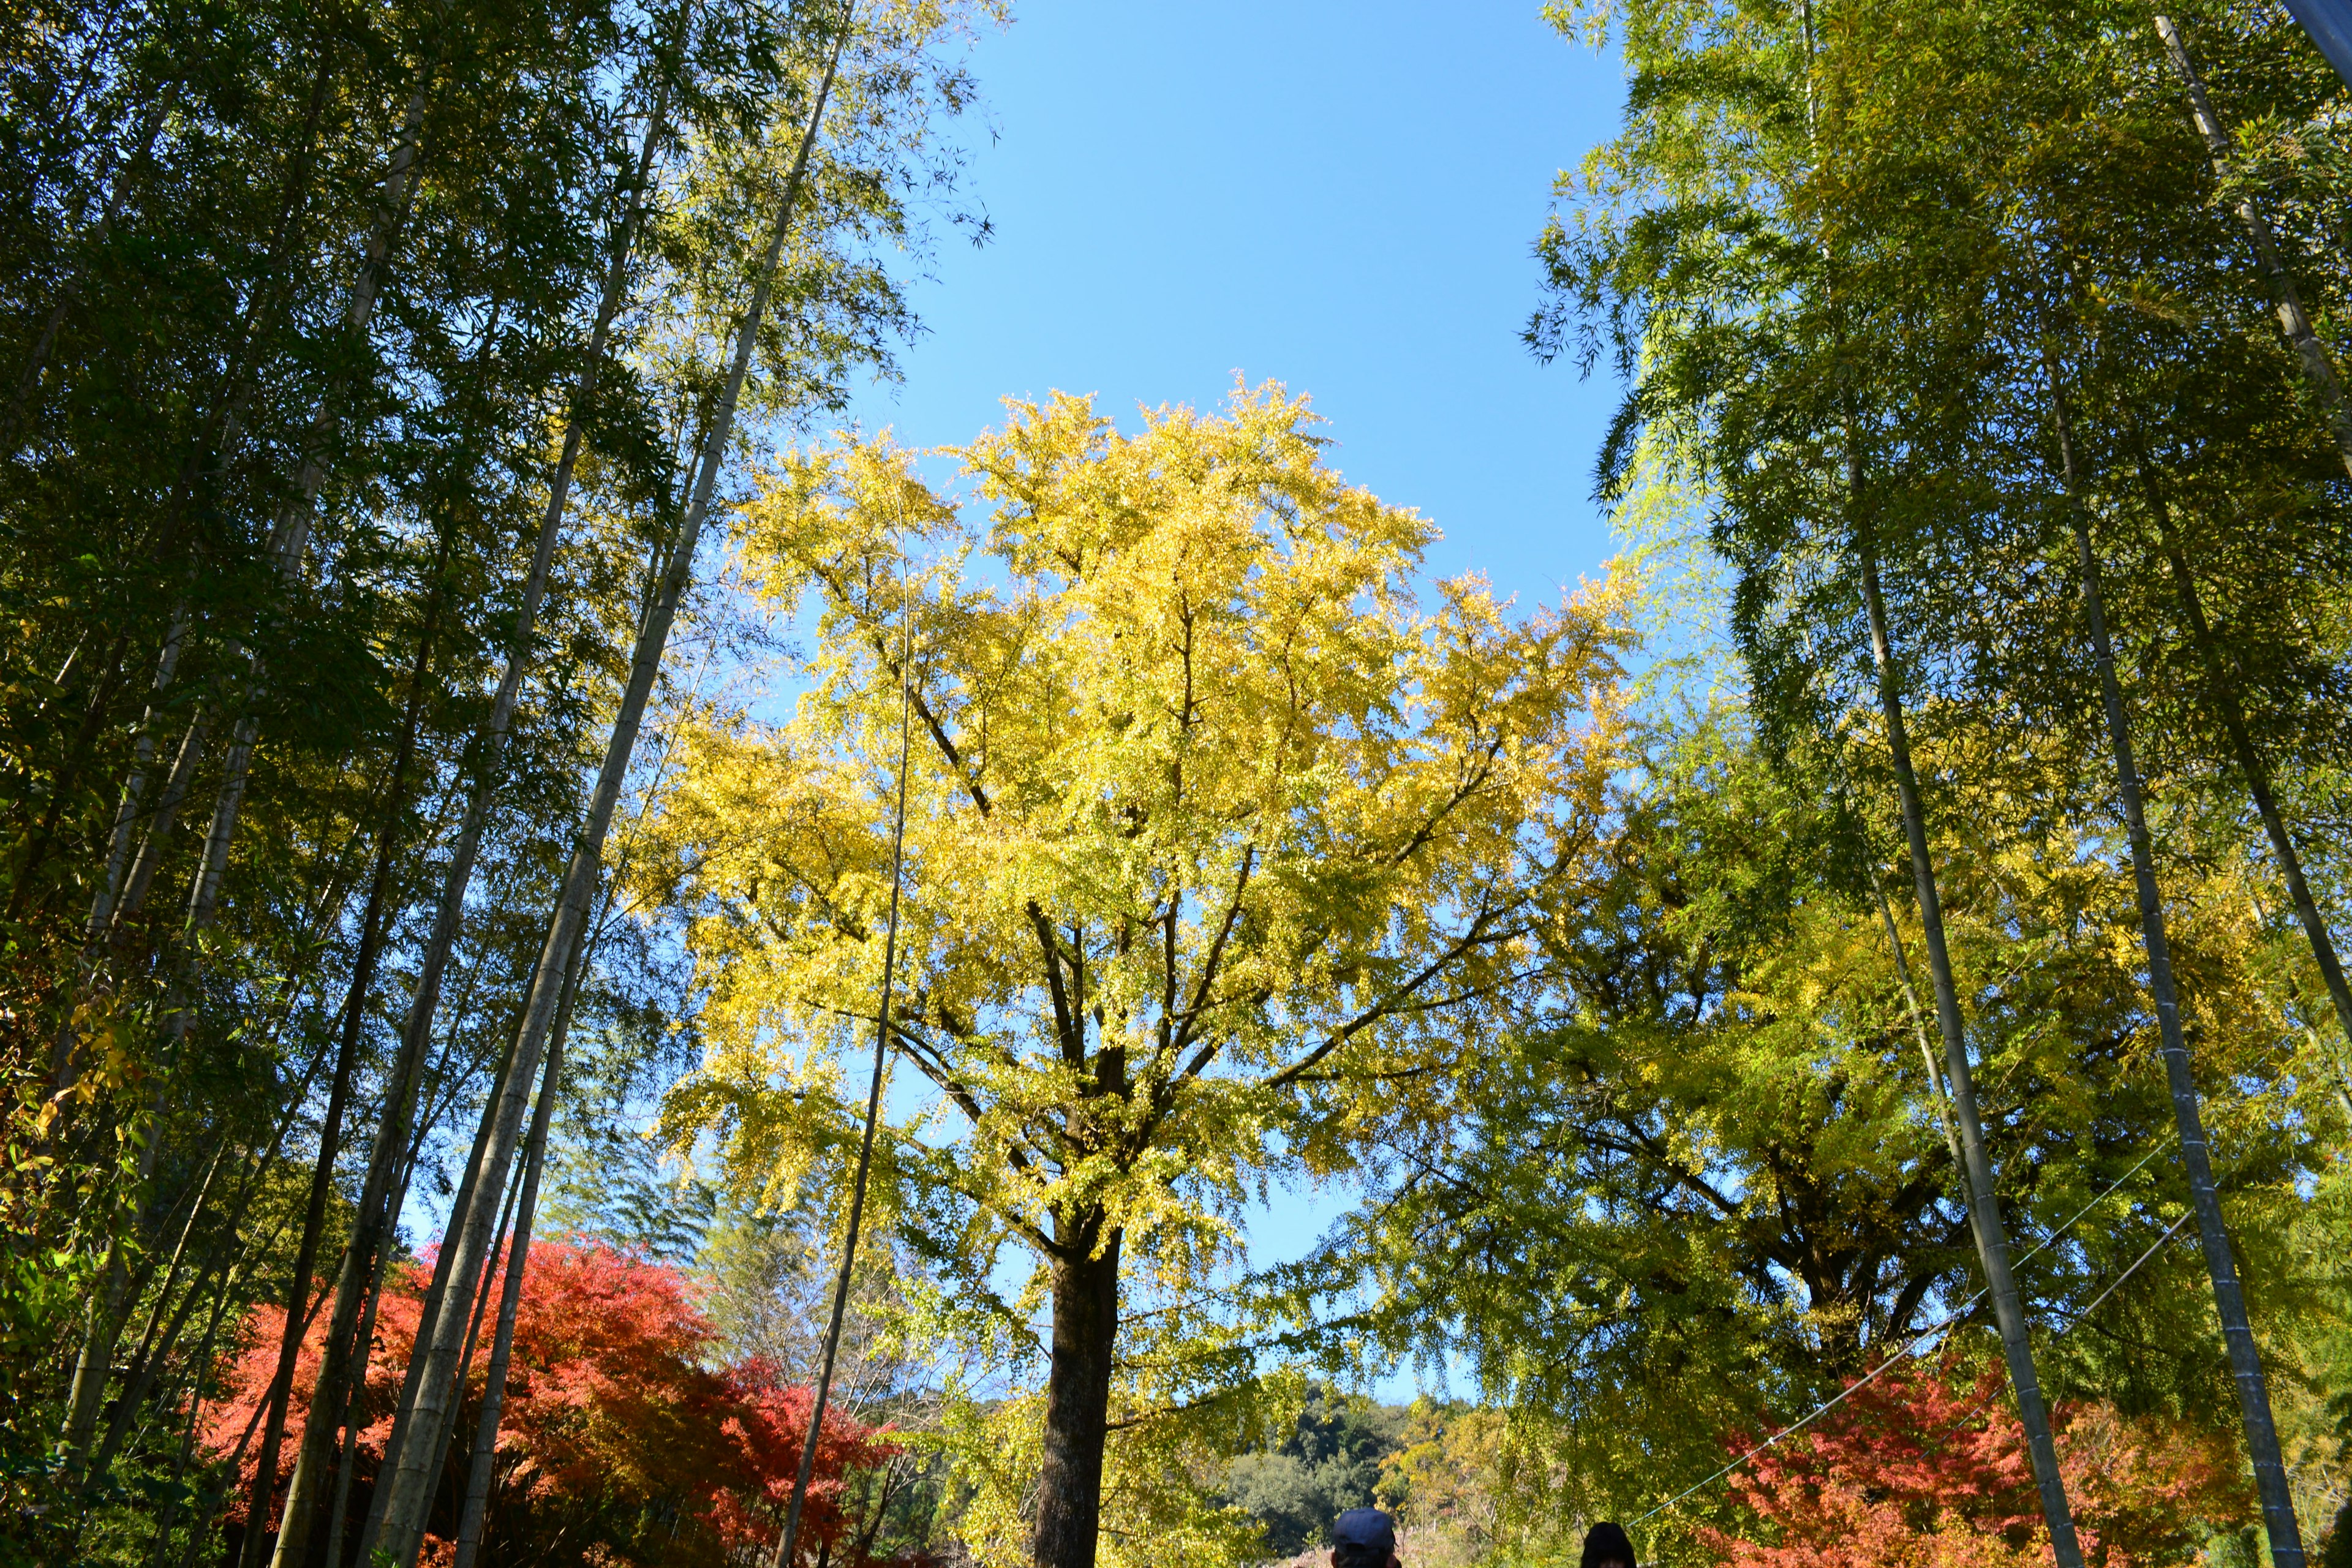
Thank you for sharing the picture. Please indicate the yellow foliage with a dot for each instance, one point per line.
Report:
(1226, 834)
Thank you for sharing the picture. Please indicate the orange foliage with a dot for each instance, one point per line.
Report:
(615, 1412)
(1920, 1470)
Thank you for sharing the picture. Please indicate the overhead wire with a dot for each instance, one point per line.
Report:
(2169, 1232)
(1926, 1338)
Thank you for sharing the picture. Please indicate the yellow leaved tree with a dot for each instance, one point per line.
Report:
(1226, 836)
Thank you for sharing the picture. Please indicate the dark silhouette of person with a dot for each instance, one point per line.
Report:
(1363, 1537)
(1606, 1546)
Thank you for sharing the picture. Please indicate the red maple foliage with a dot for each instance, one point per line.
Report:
(1923, 1469)
(619, 1439)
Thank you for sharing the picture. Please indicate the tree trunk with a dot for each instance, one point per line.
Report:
(2229, 1297)
(1984, 1209)
(1918, 1023)
(365, 1254)
(94, 1365)
(1077, 1399)
(2258, 783)
(142, 758)
(434, 1439)
(293, 530)
(354, 1016)
(361, 1347)
(409, 1489)
(494, 1384)
(225, 421)
(331, 1551)
(462, 1204)
(468, 1191)
(110, 1308)
(2284, 298)
(113, 910)
(202, 1360)
(157, 839)
(330, 1404)
(63, 784)
(255, 1173)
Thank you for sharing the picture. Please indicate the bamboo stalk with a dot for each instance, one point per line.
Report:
(409, 1489)
(1984, 1209)
(365, 1251)
(2223, 692)
(2229, 1296)
(2286, 299)
(786, 1544)
(476, 1507)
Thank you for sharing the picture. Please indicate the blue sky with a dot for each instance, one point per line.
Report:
(1339, 196)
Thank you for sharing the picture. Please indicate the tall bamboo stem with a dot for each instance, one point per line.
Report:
(436, 1291)
(2229, 1295)
(473, 1514)
(790, 1541)
(409, 1489)
(363, 1256)
(2286, 299)
(2222, 688)
(1984, 1209)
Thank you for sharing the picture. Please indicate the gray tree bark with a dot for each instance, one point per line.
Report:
(1077, 1394)
(1984, 1209)
(462, 1204)
(2229, 1296)
(363, 1258)
(143, 759)
(2286, 299)
(476, 1508)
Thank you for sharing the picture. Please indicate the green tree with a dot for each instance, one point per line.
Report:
(1333, 1459)
(1710, 1181)
(1872, 380)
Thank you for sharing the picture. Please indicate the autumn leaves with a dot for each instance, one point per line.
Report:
(1226, 834)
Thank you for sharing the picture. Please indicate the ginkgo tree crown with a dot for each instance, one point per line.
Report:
(1226, 832)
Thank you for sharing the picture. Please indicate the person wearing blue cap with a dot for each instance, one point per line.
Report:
(1363, 1537)
(1607, 1546)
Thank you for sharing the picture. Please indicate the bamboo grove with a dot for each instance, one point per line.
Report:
(372, 373)
(1995, 339)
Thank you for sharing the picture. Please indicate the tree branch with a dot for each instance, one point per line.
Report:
(1391, 1003)
(1215, 959)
